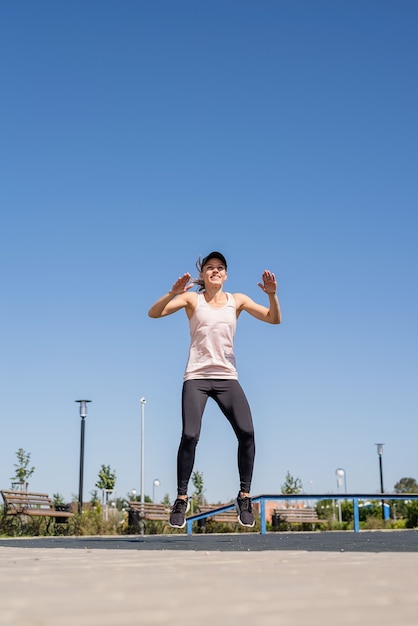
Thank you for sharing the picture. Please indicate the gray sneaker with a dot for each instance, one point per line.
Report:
(178, 513)
(245, 511)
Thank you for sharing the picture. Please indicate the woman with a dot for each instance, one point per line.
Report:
(211, 371)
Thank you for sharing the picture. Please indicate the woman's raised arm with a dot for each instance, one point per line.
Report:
(177, 298)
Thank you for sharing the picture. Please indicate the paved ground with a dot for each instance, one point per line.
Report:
(280, 579)
(365, 541)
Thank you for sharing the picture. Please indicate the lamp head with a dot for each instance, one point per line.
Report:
(83, 407)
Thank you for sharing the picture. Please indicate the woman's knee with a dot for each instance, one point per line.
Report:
(189, 441)
(246, 437)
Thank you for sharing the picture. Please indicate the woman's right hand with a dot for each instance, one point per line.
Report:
(169, 303)
(182, 285)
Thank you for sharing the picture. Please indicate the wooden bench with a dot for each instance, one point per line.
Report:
(21, 506)
(149, 511)
(296, 516)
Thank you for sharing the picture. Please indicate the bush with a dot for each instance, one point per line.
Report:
(412, 514)
(400, 524)
(91, 522)
(372, 523)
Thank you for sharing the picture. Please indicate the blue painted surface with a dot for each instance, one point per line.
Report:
(356, 516)
(263, 526)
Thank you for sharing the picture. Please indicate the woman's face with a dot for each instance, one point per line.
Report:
(213, 273)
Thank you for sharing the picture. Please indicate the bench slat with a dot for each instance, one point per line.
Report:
(225, 517)
(298, 516)
(151, 511)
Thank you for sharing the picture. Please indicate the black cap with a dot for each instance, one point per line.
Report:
(214, 255)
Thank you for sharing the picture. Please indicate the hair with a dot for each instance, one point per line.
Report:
(198, 281)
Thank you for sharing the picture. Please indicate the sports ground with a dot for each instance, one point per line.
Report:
(278, 579)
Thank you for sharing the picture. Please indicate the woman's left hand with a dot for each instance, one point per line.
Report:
(269, 284)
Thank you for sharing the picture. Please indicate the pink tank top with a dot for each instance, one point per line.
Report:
(212, 331)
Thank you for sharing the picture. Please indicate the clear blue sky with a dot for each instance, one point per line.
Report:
(136, 136)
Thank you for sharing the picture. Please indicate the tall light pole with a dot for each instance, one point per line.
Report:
(143, 403)
(380, 453)
(83, 413)
(340, 474)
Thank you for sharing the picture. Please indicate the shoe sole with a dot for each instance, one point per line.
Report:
(176, 525)
(246, 525)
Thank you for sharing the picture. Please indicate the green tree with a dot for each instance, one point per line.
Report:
(23, 471)
(57, 500)
(406, 485)
(166, 500)
(121, 504)
(199, 489)
(291, 485)
(198, 484)
(328, 509)
(94, 500)
(399, 508)
(136, 497)
(347, 511)
(106, 481)
(369, 509)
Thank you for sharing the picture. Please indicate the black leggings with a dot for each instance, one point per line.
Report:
(230, 398)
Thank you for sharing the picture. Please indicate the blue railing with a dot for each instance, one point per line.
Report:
(262, 499)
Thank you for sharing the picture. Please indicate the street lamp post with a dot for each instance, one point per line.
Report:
(155, 484)
(143, 403)
(380, 453)
(340, 474)
(83, 413)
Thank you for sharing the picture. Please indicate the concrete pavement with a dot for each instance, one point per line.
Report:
(281, 579)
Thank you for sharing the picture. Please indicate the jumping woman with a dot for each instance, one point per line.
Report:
(211, 371)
